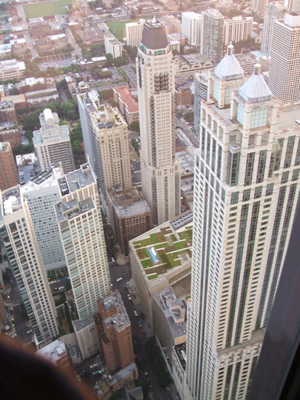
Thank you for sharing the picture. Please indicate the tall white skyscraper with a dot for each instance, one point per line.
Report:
(212, 35)
(52, 143)
(191, 27)
(81, 230)
(284, 75)
(246, 189)
(274, 11)
(40, 195)
(156, 91)
(18, 236)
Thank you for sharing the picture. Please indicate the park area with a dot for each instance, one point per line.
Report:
(118, 27)
(47, 9)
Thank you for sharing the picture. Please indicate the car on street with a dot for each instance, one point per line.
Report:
(119, 279)
(135, 313)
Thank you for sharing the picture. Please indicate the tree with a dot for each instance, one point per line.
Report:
(135, 126)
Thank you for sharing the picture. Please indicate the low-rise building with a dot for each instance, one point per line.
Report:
(11, 69)
(161, 258)
(129, 215)
(127, 104)
(57, 353)
(86, 336)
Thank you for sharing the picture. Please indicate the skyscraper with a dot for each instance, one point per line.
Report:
(8, 171)
(212, 35)
(191, 27)
(246, 191)
(40, 195)
(18, 236)
(274, 11)
(160, 169)
(52, 143)
(111, 148)
(284, 76)
(293, 6)
(81, 230)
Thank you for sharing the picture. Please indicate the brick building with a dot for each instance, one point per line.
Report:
(114, 332)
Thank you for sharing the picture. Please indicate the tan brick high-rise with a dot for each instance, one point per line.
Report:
(8, 171)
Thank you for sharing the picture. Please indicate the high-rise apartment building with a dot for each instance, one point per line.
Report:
(114, 332)
(40, 195)
(8, 170)
(81, 230)
(212, 36)
(274, 11)
(191, 27)
(87, 103)
(19, 239)
(134, 33)
(160, 169)
(293, 6)
(246, 188)
(237, 28)
(284, 75)
(52, 143)
(111, 148)
(106, 143)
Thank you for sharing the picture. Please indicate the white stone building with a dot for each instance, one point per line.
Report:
(160, 169)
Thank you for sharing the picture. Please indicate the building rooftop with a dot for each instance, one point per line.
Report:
(43, 179)
(163, 248)
(128, 202)
(174, 311)
(50, 129)
(73, 208)
(53, 351)
(229, 68)
(83, 323)
(127, 98)
(154, 35)
(255, 89)
(107, 117)
(120, 318)
(77, 179)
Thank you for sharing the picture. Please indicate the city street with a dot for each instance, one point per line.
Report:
(123, 271)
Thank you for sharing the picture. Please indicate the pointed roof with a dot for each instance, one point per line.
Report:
(255, 88)
(229, 68)
(154, 36)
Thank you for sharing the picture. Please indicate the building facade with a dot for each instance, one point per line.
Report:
(19, 239)
(111, 148)
(246, 193)
(40, 194)
(129, 215)
(284, 75)
(274, 11)
(9, 175)
(9, 130)
(52, 143)
(191, 27)
(160, 169)
(81, 231)
(237, 29)
(212, 35)
(134, 33)
(114, 332)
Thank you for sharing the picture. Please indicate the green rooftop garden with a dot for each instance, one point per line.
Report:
(169, 248)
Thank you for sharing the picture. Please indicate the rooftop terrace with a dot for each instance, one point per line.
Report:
(163, 250)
